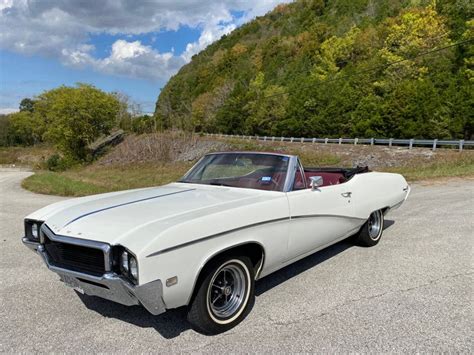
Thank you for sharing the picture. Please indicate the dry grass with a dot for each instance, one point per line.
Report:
(446, 164)
(160, 148)
(156, 159)
(25, 156)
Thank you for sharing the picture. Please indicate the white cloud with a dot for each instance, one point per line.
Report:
(128, 59)
(6, 111)
(209, 34)
(61, 29)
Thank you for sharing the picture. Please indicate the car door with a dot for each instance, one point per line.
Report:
(319, 217)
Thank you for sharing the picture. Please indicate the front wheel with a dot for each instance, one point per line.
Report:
(372, 230)
(224, 296)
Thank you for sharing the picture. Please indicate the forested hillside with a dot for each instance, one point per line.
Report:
(334, 68)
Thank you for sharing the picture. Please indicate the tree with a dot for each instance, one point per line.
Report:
(335, 54)
(75, 116)
(332, 68)
(24, 128)
(266, 106)
(27, 104)
(410, 34)
(4, 130)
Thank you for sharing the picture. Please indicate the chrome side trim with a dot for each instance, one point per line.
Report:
(203, 239)
(166, 250)
(106, 248)
(327, 215)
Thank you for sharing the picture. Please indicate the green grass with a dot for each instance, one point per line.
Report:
(94, 179)
(57, 184)
(454, 164)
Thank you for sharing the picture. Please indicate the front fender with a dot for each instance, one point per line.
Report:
(187, 262)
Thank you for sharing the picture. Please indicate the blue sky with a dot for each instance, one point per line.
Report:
(117, 45)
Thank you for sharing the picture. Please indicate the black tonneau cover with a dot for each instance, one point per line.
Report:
(347, 172)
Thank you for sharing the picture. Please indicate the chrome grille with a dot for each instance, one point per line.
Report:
(75, 257)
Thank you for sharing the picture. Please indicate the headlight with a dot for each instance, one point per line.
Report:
(133, 268)
(32, 229)
(129, 265)
(124, 261)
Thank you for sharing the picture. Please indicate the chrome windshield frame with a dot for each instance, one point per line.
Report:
(290, 174)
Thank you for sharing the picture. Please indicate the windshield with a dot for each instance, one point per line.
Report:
(246, 170)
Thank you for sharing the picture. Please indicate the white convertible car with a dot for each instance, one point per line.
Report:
(202, 242)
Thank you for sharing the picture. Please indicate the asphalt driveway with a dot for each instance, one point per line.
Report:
(412, 292)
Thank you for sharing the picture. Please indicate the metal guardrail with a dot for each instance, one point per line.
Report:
(432, 143)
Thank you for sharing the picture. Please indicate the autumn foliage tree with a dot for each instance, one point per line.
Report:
(334, 68)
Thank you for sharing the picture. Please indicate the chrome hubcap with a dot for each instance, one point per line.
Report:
(227, 291)
(375, 225)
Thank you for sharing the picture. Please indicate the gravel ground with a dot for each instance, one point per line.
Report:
(411, 293)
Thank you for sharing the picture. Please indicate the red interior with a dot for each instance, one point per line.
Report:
(278, 179)
(329, 178)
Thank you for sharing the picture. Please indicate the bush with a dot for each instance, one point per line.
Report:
(57, 163)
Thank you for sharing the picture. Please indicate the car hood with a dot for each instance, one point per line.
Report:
(114, 218)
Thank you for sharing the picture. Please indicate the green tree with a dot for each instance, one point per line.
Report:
(411, 34)
(25, 128)
(266, 107)
(27, 104)
(326, 68)
(5, 138)
(75, 116)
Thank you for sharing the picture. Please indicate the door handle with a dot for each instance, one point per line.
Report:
(346, 194)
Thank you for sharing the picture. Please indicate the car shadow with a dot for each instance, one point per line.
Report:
(173, 322)
(300, 266)
(388, 223)
(169, 324)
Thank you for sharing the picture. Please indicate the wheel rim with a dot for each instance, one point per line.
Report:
(375, 225)
(227, 291)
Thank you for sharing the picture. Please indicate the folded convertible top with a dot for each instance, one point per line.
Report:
(346, 172)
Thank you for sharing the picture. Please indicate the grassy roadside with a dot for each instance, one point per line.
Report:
(25, 156)
(451, 165)
(82, 181)
(153, 160)
(95, 179)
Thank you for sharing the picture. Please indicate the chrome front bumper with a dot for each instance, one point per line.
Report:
(109, 286)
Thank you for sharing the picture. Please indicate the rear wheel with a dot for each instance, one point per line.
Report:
(372, 230)
(224, 296)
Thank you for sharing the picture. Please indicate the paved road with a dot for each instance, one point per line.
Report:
(413, 292)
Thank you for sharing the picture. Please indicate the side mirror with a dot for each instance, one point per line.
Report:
(315, 182)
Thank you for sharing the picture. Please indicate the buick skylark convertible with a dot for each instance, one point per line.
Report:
(202, 242)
